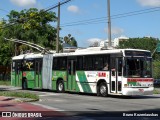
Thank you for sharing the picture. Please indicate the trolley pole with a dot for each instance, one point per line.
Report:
(109, 24)
(58, 28)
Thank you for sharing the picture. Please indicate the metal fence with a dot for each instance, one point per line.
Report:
(6, 77)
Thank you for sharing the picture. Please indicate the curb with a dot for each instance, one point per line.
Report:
(25, 100)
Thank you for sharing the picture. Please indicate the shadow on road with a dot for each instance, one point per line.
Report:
(149, 114)
(7, 88)
(109, 96)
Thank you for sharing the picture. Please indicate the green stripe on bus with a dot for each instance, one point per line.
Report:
(83, 81)
(132, 83)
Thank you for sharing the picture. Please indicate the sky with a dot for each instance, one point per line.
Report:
(86, 20)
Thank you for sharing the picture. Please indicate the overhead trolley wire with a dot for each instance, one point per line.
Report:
(94, 20)
(104, 19)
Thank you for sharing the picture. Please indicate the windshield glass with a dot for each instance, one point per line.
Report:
(138, 67)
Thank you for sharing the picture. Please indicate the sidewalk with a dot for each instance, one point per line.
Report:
(4, 87)
(20, 110)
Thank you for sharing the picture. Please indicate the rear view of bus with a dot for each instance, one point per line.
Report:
(137, 73)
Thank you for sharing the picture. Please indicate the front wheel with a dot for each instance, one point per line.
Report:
(102, 90)
(60, 86)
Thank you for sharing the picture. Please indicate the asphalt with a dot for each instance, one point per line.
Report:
(12, 108)
(19, 108)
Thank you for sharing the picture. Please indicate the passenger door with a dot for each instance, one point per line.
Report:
(38, 74)
(71, 67)
(116, 75)
(18, 74)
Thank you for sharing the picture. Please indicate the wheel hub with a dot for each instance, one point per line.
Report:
(60, 87)
(103, 90)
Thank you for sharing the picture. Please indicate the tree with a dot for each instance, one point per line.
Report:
(30, 25)
(156, 70)
(70, 40)
(33, 25)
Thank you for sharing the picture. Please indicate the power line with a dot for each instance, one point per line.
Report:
(103, 19)
(56, 5)
(45, 10)
(4, 10)
(97, 20)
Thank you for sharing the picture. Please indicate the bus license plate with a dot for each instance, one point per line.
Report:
(141, 90)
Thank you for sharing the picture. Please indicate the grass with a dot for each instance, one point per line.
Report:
(5, 82)
(20, 94)
(156, 91)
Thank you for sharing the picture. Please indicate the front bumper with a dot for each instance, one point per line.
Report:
(137, 91)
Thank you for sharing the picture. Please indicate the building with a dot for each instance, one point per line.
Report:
(114, 43)
(68, 48)
(117, 40)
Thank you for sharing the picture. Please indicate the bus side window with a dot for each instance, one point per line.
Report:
(18, 67)
(106, 62)
(63, 62)
(38, 66)
(69, 67)
(113, 66)
(54, 64)
(119, 67)
(59, 63)
(13, 66)
(79, 65)
(28, 65)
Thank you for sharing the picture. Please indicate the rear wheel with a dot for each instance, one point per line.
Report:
(60, 86)
(102, 90)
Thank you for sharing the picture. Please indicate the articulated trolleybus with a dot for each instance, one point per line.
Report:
(93, 70)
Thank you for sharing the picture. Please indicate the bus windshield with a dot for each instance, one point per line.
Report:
(138, 67)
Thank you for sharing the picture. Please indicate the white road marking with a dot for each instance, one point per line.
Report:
(48, 107)
(49, 94)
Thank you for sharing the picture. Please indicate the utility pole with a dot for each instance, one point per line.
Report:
(58, 21)
(58, 27)
(109, 24)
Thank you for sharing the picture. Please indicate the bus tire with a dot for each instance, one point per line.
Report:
(24, 84)
(102, 90)
(60, 86)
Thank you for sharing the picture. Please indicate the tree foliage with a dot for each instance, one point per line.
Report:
(29, 25)
(156, 70)
(33, 25)
(70, 40)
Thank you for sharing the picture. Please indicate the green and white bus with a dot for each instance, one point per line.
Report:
(128, 71)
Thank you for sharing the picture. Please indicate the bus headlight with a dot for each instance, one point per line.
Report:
(150, 85)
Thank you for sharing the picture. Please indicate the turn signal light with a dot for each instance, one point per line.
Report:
(125, 85)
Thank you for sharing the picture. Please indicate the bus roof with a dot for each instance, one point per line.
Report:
(96, 50)
(28, 55)
(88, 51)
